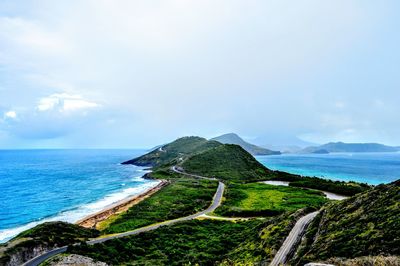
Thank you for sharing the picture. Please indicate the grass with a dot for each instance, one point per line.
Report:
(227, 162)
(172, 152)
(257, 199)
(182, 197)
(194, 242)
(365, 225)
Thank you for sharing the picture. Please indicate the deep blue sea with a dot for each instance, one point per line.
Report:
(371, 168)
(67, 185)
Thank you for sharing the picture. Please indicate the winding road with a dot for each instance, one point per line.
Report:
(214, 205)
(280, 258)
(292, 239)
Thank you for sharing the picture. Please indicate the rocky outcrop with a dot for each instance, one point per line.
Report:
(73, 260)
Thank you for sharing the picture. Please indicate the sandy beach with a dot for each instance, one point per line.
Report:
(92, 220)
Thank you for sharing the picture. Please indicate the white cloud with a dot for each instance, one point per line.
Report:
(10, 114)
(64, 102)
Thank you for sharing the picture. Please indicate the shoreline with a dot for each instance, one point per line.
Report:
(92, 220)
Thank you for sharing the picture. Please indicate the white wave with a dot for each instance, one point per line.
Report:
(74, 215)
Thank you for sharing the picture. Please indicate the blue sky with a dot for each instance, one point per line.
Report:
(124, 74)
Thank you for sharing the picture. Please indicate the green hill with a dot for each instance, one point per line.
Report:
(227, 162)
(232, 138)
(42, 237)
(174, 152)
(367, 224)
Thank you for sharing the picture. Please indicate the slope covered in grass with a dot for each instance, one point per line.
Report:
(227, 162)
(42, 237)
(173, 152)
(182, 197)
(197, 242)
(257, 199)
(365, 225)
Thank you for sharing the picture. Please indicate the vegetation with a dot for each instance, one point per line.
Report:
(258, 199)
(368, 224)
(338, 187)
(260, 249)
(46, 235)
(203, 242)
(172, 153)
(229, 163)
(184, 196)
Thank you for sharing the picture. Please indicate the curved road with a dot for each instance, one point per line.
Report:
(292, 239)
(215, 203)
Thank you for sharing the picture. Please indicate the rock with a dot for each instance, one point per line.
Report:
(74, 260)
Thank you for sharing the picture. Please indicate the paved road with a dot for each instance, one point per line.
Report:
(215, 203)
(292, 239)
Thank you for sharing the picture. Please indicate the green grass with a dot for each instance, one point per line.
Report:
(257, 199)
(172, 152)
(184, 196)
(365, 225)
(199, 241)
(259, 249)
(227, 162)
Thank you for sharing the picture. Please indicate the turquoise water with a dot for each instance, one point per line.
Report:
(371, 168)
(46, 185)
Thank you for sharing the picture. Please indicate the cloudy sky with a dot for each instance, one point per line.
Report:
(124, 74)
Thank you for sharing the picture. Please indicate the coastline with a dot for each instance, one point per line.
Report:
(92, 220)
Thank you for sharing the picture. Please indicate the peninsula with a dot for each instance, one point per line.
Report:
(215, 208)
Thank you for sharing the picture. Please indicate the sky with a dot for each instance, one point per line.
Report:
(134, 74)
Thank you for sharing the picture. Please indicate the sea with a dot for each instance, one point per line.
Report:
(371, 168)
(37, 186)
(67, 185)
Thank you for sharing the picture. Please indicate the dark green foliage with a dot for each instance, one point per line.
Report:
(60, 233)
(257, 199)
(367, 224)
(204, 242)
(46, 235)
(338, 187)
(171, 153)
(261, 248)
(182, 197)
(227, 162)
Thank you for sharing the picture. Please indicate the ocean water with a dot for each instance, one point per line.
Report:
(67, 185)
(371, 168)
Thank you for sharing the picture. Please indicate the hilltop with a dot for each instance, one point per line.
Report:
(350, 147)
(227, 162)
(173, 152)
(232, 138)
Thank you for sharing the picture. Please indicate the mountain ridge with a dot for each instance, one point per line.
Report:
(232, 138)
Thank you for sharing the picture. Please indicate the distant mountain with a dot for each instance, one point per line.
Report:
(232, 138)
(350, 147)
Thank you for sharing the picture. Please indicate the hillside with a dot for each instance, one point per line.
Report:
(173, 152)
(350, 147)
(365, 225)
(232, 138)
(228, 162)
(43, 237)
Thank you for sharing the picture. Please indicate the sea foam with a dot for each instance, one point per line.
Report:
(80, 212)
